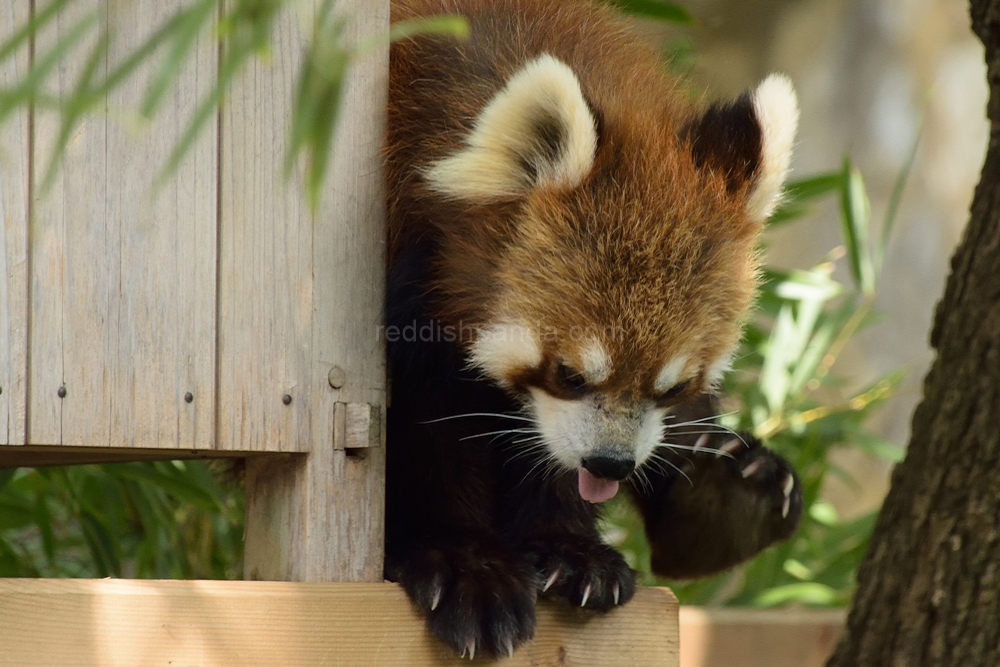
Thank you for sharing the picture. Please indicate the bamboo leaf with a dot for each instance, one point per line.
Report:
(102, 548)
(81, 100)
(444, 24)
(855, 218)
(26, 90)
(177, 486)
(31, 27)
(897, 195)
(183, 32)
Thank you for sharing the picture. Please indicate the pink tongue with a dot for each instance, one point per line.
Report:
(594, 489)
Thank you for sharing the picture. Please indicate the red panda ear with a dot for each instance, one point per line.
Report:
(750, 142)
(537, 131)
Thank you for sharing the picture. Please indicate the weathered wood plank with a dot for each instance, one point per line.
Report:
(319, 518)
(109, 623)
(123, 283)
(14, 147)
(266, 282)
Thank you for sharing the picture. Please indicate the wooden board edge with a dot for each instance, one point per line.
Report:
(117, 623)
(37, 456)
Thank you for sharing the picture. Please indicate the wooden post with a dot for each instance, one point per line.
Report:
(314, 517)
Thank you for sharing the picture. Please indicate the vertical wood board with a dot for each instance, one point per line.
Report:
(123, 280)
(265, 259)
(14, 147)
(322, 517)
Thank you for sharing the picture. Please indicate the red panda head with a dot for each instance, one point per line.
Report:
(623, 263)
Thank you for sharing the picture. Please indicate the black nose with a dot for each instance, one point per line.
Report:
(609, 467)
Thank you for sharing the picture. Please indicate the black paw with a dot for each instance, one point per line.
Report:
(479, 599)
(759, 475)
(735, 498)
(582, 570)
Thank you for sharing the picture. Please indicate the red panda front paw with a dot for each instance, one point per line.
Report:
(583, 571)
(763, 475)
(478, 598)
(735, 498)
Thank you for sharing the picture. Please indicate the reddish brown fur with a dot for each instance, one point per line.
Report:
(649, 248)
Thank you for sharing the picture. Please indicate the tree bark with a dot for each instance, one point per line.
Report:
(929, 587)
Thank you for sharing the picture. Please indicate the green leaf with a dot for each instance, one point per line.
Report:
(824, 513)
(176, 485)
(31, 27)
(28, 88)
(807, 592)
(855, 218)
(102, 547)
(183, 31)
(806, 189)
(897, 194)
(656, 9)
(444, 24)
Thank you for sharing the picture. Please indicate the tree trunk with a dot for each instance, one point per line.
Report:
(929, 588)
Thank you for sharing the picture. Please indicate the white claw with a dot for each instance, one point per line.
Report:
(702, 441)
(586, 595)
(436, 600)
(510, 650)
(472, 650)
(616, 591)
(731, 446)
(752, 468)
(789, 485)
(551, 580)
(784, 507)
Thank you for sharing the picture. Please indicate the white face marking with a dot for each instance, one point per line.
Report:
(572, 430)
(718, 368)
(671, 373)
(506, 136)
(777, 111)
(505, 348)
(596, 362)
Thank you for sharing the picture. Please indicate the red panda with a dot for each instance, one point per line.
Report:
(572, 257)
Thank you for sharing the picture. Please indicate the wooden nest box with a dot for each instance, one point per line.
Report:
(221, 316)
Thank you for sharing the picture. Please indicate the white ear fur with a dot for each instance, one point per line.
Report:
(777, 111)
(505, 348)
(508, 151)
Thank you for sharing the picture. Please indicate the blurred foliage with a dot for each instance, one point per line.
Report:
(172, 519)
(782, 389)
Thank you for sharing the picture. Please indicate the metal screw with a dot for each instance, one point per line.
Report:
(62, 392)
(188, 397)
(337, 377)
(287, 399)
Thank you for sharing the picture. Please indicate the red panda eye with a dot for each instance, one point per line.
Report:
(570, 380)
(675, 391)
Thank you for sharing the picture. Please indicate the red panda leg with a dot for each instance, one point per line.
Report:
(735, 498)
(556, 530)
(478, 596)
